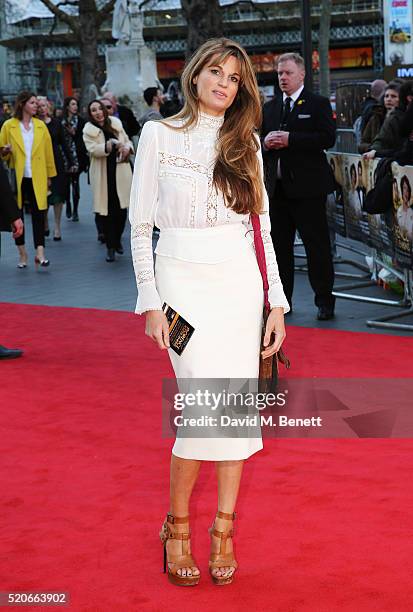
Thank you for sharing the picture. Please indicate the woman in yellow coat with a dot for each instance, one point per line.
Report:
(26, 145)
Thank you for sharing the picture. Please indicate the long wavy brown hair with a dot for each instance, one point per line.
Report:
(107, 126)
(237, 168)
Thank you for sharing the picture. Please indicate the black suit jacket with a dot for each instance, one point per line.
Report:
(129, 121)
(8, 207)
(305, 171)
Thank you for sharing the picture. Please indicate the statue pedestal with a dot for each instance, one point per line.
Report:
(130, 69)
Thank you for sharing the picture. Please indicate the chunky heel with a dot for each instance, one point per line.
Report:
(172, 563)
(222, 558)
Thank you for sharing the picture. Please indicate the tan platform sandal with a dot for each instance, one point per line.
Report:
(222, 559)
(173, 563)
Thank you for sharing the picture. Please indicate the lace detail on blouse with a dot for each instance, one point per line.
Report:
(266, 237)
(141, 243)
(181, 162)
(187, 143)
(212, 204)
(144, 276)
(142, 230)
(178, 161)
(210, 122)
(275, 290)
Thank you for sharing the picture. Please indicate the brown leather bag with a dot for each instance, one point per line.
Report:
(268, 373)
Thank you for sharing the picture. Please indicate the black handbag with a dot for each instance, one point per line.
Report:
(380, 199)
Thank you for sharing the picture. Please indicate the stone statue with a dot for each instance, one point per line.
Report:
(127, 24)
(121, 22)
(130, 64)
(136, 23)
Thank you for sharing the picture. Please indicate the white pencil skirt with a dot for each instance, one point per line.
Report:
(219, 291)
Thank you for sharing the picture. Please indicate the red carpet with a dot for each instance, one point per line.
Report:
(323, 525)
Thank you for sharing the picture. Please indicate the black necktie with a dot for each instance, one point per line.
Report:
(286, 112)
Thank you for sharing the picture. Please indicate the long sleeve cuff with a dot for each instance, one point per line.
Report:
(278, 300)
(148, 298)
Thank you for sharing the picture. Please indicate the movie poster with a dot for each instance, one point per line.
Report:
(355, 171)
(398, 46)
(380, 226)
(402, 214)
(335, 201)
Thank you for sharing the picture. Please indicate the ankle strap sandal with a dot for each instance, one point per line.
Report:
(174, 562)
(222, 558)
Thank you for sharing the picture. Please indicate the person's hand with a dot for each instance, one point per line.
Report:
(71, 130)
(370, 154)
(17, 227)
(49, 183)
(269, 140)
(109, 146)
(157, 328)
(6, 149)
(281, 139)
(275, 325)
(73, 169)
(124, 152)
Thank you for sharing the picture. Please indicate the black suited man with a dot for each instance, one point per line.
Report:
(298, 127)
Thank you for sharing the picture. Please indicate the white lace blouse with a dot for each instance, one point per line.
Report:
(172, 188)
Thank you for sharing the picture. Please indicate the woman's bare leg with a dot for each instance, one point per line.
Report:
(22, 254)
(57, 219)
(184, 474)
(228, 477)
(40, 253)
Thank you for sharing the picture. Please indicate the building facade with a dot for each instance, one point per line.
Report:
(40, 54)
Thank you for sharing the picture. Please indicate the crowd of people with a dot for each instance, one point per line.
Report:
(386, 124)
(46, 150)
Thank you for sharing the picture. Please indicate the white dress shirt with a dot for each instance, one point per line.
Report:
(294, 97)
(28, 136)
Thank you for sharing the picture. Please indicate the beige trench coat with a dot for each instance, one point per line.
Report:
(95, 144)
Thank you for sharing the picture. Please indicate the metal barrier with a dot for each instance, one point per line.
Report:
(370, 280)
(338, 292)
(346, 141)
(383, 322)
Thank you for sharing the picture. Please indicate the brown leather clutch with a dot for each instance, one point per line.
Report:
(268, 372)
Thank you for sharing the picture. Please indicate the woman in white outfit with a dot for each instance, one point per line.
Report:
(198, 177)
(109, 149)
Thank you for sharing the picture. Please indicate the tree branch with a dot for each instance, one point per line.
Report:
(72, 22)
(104, 12)
(68, 2)
(142, 4)
(252, 4)
(59, 4)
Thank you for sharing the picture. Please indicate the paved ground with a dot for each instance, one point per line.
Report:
(79, 276)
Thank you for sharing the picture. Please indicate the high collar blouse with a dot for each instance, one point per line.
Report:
(173, 188)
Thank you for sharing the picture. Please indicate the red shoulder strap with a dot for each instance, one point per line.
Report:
(260, 253)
